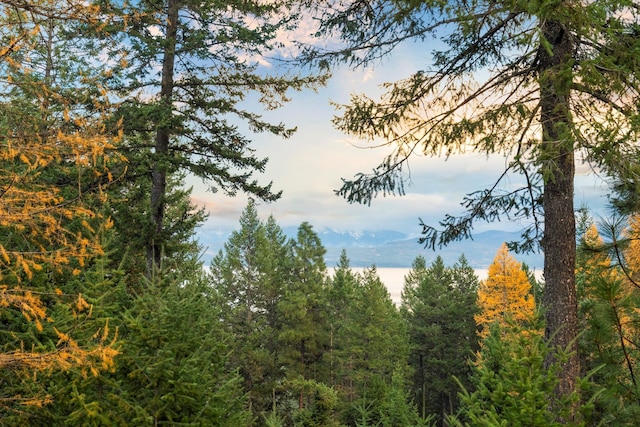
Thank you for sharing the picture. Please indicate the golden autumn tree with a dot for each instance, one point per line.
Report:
(54, 157)
(606, 274)
(594, 260)
(632, 252)
(505, 293)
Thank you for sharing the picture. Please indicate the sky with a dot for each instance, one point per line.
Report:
(309, 166)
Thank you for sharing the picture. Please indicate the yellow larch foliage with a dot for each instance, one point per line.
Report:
(632, 253)
(605, 285)
(44, 131)
(505, 293)
(49, 144)
(598, 262)
(68, 353)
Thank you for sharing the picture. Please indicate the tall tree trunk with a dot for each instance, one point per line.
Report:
(159, 173)
(558, 169)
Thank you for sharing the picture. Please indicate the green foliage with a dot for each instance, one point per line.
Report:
(392, 410)
(319, 406)
(536, 82)
(439, 304)
(79, 398)
(369, 350)
(248, 299)
(189, 116)
(211, 80)
(127, 205)
(304, 335)
(175, 357)
(116, 293)
(609, 317)
(512, 384)
(537, 285)
(272, 297)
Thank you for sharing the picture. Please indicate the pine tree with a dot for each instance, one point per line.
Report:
(305, 333)
(341, 293)
(375, 359)
(609, 318)
(127, 206)
(505, 294)
(277, 278)
(465, 278)
(237, 275)
(439, 305)
(512, 385)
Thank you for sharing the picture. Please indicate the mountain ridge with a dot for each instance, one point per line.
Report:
(388, 248)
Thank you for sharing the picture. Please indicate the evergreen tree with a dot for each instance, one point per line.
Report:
(465, 278)
(127, 207)
(114, 288)
(341, 294)
(85, 311)
(537, 285)
(53, 143)
(176, 358)
(439, 305)
(319, 406)
(304, 336)
(78, 397)
(608, 314)
(629, 252)
(279, 262)
(237, 275)
(376, 354)
(184, 72)
(511, 383)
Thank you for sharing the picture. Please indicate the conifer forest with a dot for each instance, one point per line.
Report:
(110, 317)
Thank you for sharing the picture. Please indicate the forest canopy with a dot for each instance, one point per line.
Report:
(110, 317)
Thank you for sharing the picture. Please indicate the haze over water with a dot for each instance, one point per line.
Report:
(393, 278)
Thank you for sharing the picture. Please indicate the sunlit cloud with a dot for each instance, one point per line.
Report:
(155, 30)
(308, 167)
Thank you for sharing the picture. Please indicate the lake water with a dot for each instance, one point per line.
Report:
(393, 278)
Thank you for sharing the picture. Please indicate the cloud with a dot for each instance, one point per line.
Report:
(309, 166)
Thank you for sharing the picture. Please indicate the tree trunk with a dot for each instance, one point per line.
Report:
(558, 169)
(159, 173)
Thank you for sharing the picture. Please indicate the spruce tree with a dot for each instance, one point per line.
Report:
(341, 293)
(304, 336)
(511, 383)
(176, 358)
(375, 361)
(113, 285)
(236, 275)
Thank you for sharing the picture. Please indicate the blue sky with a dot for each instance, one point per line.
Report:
(309, 166)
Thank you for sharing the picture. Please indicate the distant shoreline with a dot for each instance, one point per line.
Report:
(393, 278)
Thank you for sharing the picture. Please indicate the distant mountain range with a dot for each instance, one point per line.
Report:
(389, 248)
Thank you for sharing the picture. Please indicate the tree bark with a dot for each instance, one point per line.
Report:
(159, 173)
(558, 169)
